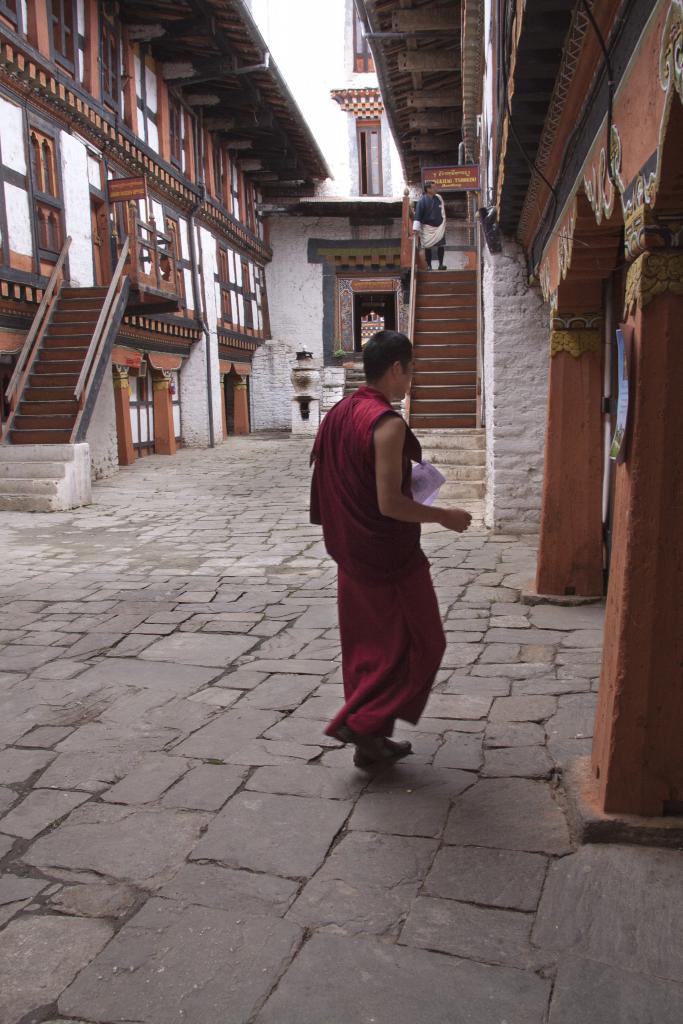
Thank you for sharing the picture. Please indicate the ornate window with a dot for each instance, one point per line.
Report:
(369, 158)
(177, 130)
(111, 64)
(63, 23)
(48, 203)
(10, 10)
(362, 57)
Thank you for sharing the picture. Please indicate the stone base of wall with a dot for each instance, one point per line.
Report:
(515, 370)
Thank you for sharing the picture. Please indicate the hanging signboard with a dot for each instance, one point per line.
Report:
(462, 178)
(122, 190)
(624, 338)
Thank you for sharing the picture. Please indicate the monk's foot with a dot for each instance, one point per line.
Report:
(392, 751)
(398, 748)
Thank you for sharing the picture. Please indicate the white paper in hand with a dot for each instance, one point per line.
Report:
(426, 482)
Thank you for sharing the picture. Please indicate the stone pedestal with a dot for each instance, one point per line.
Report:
(570, 558)
(637, 760)
(124, 431)
(306, 382)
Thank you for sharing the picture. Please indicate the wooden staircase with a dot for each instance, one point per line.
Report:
(48, 410)
(444, 390)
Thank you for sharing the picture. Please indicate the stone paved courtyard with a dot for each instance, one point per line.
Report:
(180, 842)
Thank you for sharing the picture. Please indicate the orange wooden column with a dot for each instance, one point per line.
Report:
(124, 433)
(637, 760)
(570, 559)
(164, 430)
(241, 408)
(224, 411)
(39, 26)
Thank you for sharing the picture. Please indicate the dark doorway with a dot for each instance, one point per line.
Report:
(372, 312)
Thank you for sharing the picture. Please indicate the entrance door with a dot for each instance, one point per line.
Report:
(101, 240)
(372, 313)
(142, 413)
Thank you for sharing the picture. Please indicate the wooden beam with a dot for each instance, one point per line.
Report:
(433, 98)
(429, 60)
(202, 99)
(429, 144)
(439, 19)
(218, 124)
(437, 119)
(145, 33)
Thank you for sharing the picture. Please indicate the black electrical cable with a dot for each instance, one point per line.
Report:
(610, 93)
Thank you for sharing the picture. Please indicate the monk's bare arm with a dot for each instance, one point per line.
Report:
(389, 439)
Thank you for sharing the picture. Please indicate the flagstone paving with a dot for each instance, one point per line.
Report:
(179, 841)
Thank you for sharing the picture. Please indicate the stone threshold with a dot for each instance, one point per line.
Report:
(590, 825)
(530, 595)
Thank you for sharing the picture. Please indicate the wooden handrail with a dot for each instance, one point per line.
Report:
(38, 321)
(102, 321)
(413, 284)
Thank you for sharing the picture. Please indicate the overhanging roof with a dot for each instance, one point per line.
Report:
(213, 52)
(416, 47)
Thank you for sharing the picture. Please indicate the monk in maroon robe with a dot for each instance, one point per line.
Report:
(392, 639)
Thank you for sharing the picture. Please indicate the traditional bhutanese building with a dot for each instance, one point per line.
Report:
(336, 273)
(580, 144)
(137, 143)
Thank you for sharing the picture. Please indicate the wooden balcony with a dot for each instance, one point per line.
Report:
(152, 268)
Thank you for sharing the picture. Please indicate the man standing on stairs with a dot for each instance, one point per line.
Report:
(430, 224)
(392, 639)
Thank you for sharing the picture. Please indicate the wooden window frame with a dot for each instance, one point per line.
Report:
(70, 63)
(10, 10)
(363, 131)
(363, 61)
(176, 124)
(45, 201)
(144, 114)
(109, 31)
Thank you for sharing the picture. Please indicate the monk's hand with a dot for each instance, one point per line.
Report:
(456, 519)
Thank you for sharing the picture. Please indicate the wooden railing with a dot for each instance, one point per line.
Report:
(34, 337)
(112, 308)
(153, 260)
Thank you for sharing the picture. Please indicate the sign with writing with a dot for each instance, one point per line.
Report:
(464, 178)
(122, 190)
(624, 341)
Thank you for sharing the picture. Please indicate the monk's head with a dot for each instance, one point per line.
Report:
(430, 188)
(388, 363)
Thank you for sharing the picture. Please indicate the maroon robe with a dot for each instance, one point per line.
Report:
(391, 634)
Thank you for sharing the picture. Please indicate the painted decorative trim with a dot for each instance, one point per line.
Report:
(653, 273)
(575, 342)
(576, 322)
(671, 57)
(362, 103)
(597, 183)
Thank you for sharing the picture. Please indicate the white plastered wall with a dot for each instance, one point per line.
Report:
(76, 191)
(515, 391)
(18, 212)
(295, 300)
(194, 401)
(101, 436)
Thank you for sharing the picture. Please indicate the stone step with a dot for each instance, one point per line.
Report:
(461, 489)
(455, 473)
(429, 420)
(31, 470)
(25, 485)
(37, 453)
(436, 439)
(446, 457)
(26, 503)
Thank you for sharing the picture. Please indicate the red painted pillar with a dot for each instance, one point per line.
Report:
(570, 559)
(637, 760)
(164, 430)
(224, 411)
(124, 433)
(241, 408)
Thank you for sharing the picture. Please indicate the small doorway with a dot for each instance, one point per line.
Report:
(142, 413)
(371, 313)
(101, 240)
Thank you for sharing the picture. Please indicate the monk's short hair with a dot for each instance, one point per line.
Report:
(383, 350)
(430, 184)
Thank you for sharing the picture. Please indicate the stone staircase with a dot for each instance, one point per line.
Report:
(461, 456)
(354, 377)
(48, 410)
(44, 478)
(444, 386)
